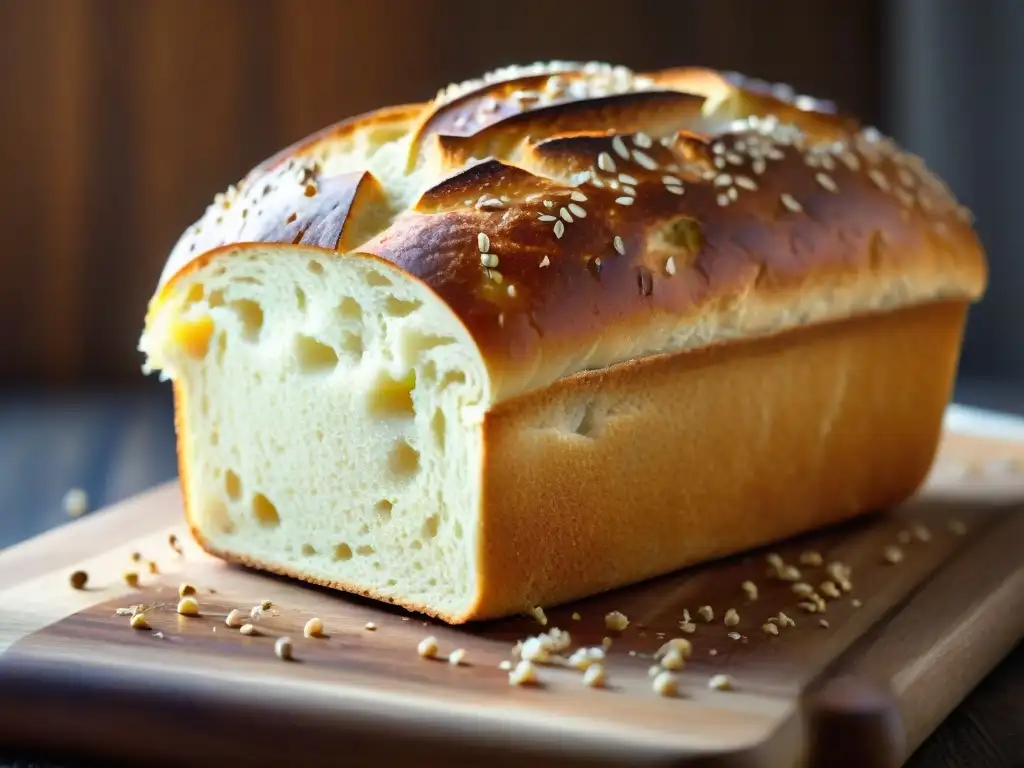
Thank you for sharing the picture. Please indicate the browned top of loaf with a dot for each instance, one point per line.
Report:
(577, 215)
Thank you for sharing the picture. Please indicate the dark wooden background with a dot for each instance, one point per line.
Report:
(122, 118)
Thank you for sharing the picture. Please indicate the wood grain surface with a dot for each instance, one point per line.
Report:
(75, 677)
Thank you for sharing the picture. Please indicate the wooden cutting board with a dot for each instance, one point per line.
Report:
(898, 653)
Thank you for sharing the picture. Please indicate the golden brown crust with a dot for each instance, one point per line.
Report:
(620, 210)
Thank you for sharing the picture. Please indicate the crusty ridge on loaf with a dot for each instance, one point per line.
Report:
(339, 325)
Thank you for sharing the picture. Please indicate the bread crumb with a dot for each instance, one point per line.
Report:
(706, 613)
(283, 648)
(235, 618)
(188, 606)
(539, 616)
(124, 612)
(139, 621)
(136, 557)
(606, 643)
(78, 579)
(720, 683)
(750, 589)
(734, 635)
(576, 616)
(525, 673)
(314, 628)
(616, 621)
(266, 605)
(370, 626)
(172, 540)
(654, 670)
(456, 657)
(184, 590)
(75, 502)
(427, 648)
(584, 658)
(823, 623)
(770, 628)
(594, 677)
(688, 627)
(785, 621)
(160, 635)
(131, 578)
(666, 684)
(957, 528)
(892, 554)
(829, 589)
(731, 618)
(680, 645)
(247, 629)
(505, 665)
(153, 568)
(673, 660)
(254, 614)
(810, 558)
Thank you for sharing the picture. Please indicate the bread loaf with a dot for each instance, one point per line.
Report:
(563, 328)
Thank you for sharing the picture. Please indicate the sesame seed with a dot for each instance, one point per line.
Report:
(427, 648)
(720, 162)
(750, 588)
(670, 266)
(826, 181)
(803, 589)
(921, 533)
(718, 148)
(625, 178)
(559, 229)
(746, 183)
(829, 589)
(576, 616)
(810, 558)
(539, 616)
(712, 651)
(774, 560)
(616, 621)
(823, 623)
(671, 181)
(505, 665)
(770, 629)
(688, 627)
(879, 179)
(720, 683)
(850, 161)
(577, 210)
(456, 657)
(578, 196)
(904, 197)
(631, 191)
(484, 242)
(641, 139)
(565, 215)
(370, 626)
(138, 621)
(624, 200)
(618, 245)
(548, 204)
(789, 573)
(674, 189)
(722, 200)
(511, 290)
(665, 684)
(706, 613)
(759, 166)
(856, 603)
(235, 618)
(723, 180)
(248, 630)
(731, 618)
(620, 148)
(594, 677)
(734, 635)
(188, 606)
(283, 648)
(644, 160)
(892, 554)
(545, 262)
(606, 163)
(785, 621)
(547, 217)
(733, 159)
(314, 628)
(489, 260)
(733, 193)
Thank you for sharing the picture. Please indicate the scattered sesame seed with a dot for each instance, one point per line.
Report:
(625, 178)
(789, 573)
(484, 242)
(670, 265)
(606, 163)
(427, 648)
(314, 628)
(723, 180)
(254, 614)
(577, 210)
(644, 160)
(489, 260)
(548, 204)
(922, 533)
(594, 677)
(826, 181)
(673, 659)
(631, 191)
(686, 615)
(785, 621)
(620, 148)
(641, 139)
(746, 182)
(750, 589)
(456, 657)
(791, 202)
(808, 606)
(283, 648)
(565, 215)
(559, 229)
(248, 630)
(810, 558)
(722, 200)
(957, 528)
(666, 684)
(802, 589)
(823, 623)
(576, 616)
(769, 628)
(673, 189)
(539, 616)
(616, 621)
(892, 554)
(505, 665)
(545, 262)
(525, 673)
(547, 217)
(856, 603)
(731, 618)
(188, 606)
(185, 589)
(829, 589)
(712, 651)
(131, 578)
(370, 626)
(619, 245)
(139, 621)
(578, 196)
(624, 200)
(706, 613)
(720, 683)
(124, 612)
(512, 290)
(879, 179)
(759, 166)
(733, 194)
(235, 618)
(75, 502)
(734, 635)
(266, 605)
(688, 627)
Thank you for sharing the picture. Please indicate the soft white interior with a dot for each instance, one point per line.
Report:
(331, 414)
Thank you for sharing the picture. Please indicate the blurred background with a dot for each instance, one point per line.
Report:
(122, 118)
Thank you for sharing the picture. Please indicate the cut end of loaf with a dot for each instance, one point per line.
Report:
(326, 408)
